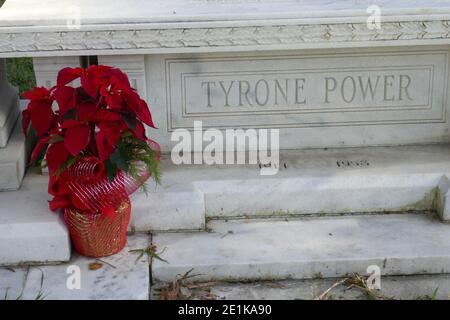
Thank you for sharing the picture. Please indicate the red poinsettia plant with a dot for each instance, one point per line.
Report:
(101, 120)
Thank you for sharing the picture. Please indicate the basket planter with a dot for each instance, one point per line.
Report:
(95, 236)
(94, 141)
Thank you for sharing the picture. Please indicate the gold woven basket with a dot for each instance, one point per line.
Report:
(96, 236)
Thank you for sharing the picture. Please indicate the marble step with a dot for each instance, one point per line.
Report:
(416, 287)
(241, 250)
(121, 276)
(309, 182)
(29, 231)
(13, 160)
(9, 107)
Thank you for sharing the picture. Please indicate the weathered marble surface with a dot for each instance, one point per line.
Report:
(9, 106)
(57, 28)
(402, 244)
(163, 209)
(12, 281)
(396, 287)
(11, 119)
(308, 182)
(121, 277)
(316, 99)
(29, 231)
(13, 161)
(140, 11)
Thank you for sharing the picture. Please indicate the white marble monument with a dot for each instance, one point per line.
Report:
(315, 69)
(358, 90)
(12, 143)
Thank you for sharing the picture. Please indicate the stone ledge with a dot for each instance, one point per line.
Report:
(11, 100)
(120, 277)
(13, 160)
(400, 244)
(209, 27)
(168, 211)
(29, 231)
(418, 287)
(27, 13)
(309, 182)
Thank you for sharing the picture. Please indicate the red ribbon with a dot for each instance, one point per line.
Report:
(85, 186)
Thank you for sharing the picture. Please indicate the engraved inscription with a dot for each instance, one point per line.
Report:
(352, 163)
(388, 87)
(294, 91)
(307, 90)
(382, 88)
(258, 93)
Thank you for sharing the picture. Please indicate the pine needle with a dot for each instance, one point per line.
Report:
(150, 251)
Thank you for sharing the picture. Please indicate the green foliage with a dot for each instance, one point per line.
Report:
(131, 154)
(66, 165)
(111, 169)
(119, 160)
(428, 297)
(150, 251)
(20, 73)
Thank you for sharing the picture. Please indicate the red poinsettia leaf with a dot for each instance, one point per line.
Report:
(145, 115)
(114, 100)
(53, 185)
(77, 138)
(90, 84)
(112, 136)
(111, 131)
(56, 155)
(99, 71)
(118, 77)
(66, 98)
(86, 110)
(105, 115)
(139, 132)
(91, 79)
(57, 186)
(60, 202)
(103, 146)
(26, 118)
(70, 123)
(42, 117)
(140, 108)
(67, 75)
(38, 148)
(37, 93)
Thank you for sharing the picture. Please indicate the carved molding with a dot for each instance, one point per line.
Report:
(147, 40)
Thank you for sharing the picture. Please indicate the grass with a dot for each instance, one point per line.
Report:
(20, 73)
(360, 282)
(150, 251)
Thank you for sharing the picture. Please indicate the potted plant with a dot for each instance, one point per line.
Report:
(93, 140)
